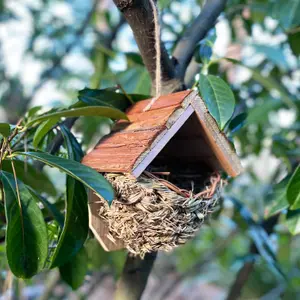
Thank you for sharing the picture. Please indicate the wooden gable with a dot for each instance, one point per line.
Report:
(133, 145)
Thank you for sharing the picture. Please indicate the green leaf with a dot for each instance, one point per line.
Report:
(260, 112)
(237, 123)
(4, 129)
(84, 174)
(133, 59)
(76, 225)
(293, 190)
(259, 237)
(286, 12)
(269, 83)
(273, 54)
(97, 256)
(108, 98)
(42, 130)
(26, 233)
(100, 111)
(36, 179)
(203, 53)
(100, 61)
(278, 199)
(103, 98)
(258, 11)
(54, 212)
(135, 80)
(73, 147)
(32, 111)
(73, 272)
(294, 39)
(218, 97)
(265, 248)
(292, 221)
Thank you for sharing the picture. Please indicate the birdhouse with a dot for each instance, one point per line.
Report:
(164, 164)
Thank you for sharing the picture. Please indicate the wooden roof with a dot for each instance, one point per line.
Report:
(131, 146)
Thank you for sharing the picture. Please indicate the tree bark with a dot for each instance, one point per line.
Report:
(206, 20)
(134, 277)
(139, 15)
(246, 270)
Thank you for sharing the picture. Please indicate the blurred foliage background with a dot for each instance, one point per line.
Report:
(50, 49)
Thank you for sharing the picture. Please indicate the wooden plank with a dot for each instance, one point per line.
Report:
(149, 156)
(135, 138)
(174, 99)
(110, 162)
(147, 120)
(217, 140)
(120, 152)
(99, 226)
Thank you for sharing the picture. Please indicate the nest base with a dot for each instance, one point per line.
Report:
(152, 214)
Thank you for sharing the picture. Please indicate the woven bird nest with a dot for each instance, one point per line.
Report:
(151, 213)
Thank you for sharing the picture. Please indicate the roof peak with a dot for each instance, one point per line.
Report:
(133, 145)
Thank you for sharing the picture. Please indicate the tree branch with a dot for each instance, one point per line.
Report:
(113, 34)
(139, 15)
(134, 277)
(192, 70)
(198, 266)
(241, 278)
(244, 273)
(196, 32)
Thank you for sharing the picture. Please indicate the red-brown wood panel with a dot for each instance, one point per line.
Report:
(164, 101)
(147, 120)
(135, 138)
(110, 163)
(119, 152)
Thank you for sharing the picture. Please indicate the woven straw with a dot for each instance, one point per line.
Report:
(151, 214)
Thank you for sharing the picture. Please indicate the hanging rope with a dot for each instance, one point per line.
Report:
(158, 55)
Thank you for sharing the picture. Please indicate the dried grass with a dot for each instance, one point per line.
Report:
(152, 214)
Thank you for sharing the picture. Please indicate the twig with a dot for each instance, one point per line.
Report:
(54, 146)
(196, 32)
(244, 273)
(5, 146)
(241, 278)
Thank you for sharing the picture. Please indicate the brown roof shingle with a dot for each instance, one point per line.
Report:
(118, 151)
(131, 142)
